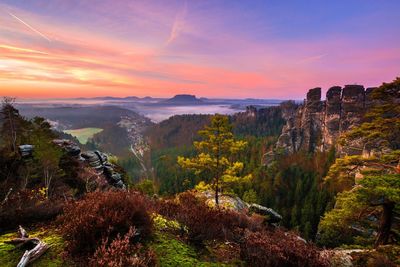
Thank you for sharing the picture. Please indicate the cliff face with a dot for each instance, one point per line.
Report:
(317, 124)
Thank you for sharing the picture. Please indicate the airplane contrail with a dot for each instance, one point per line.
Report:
(178, 24)
(29, 26)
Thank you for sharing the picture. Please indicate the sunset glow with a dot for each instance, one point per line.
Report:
(259, 49)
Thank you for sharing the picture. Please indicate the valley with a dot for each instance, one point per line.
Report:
(285, 166)
(83, 134)
(199, 133)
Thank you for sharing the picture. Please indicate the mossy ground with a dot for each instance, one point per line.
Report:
(169, 248)
(171, 251)
(9, 256)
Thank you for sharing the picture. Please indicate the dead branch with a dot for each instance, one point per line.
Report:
(30, 255)
(6, 198)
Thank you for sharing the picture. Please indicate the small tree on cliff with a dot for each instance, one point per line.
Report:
(215, 155)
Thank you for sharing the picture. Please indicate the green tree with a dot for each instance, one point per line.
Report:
(11, 131)
(45, 152)
(374, 193)
(146, 186)
(250, 196)
(216, 155)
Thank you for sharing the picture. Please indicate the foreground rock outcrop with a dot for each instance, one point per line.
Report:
(234, 202)
(96, 160)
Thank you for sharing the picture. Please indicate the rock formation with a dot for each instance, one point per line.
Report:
(69, 147)
(316, 124)
(271, 215)
(99, 162)
(95, 159)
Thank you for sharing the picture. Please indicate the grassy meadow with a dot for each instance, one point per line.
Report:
(83, 134)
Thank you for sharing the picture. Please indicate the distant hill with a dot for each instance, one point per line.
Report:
(76, 117)
(182, 100)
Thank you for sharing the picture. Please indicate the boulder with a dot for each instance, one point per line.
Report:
(70, 147)
(108, 169)
(236, 203)
(26, 150)
(115, 177)
(120, 185)
(271, 215)
(94, 159)
(225, 200)
(99, 161)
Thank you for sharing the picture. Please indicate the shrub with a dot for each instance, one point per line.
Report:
(278, 248)
(146, 186)
(103, 215)
(26, 207)
(121, 252)
(380, 261)
(205, 223)
(388, 255)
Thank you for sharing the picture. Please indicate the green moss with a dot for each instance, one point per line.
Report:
(173, 252)
(161, 223)
(9, 256)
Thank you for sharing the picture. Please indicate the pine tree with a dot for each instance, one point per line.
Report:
(250, 196)
(11, 126)
(215, 155)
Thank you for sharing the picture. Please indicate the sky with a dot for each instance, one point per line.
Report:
(231, 49)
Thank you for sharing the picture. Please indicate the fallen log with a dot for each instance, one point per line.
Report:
(30, 255)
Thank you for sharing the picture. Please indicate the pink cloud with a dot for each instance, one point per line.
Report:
(95, 59)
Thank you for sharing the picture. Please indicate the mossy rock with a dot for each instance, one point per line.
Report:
(9, 256)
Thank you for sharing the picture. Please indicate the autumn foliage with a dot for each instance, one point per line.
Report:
(258, 245)
(27, 207)
(278, 248)
(122, 252)
(104, 216)
(205, 223)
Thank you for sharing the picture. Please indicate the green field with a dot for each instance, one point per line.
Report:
(83, 134)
